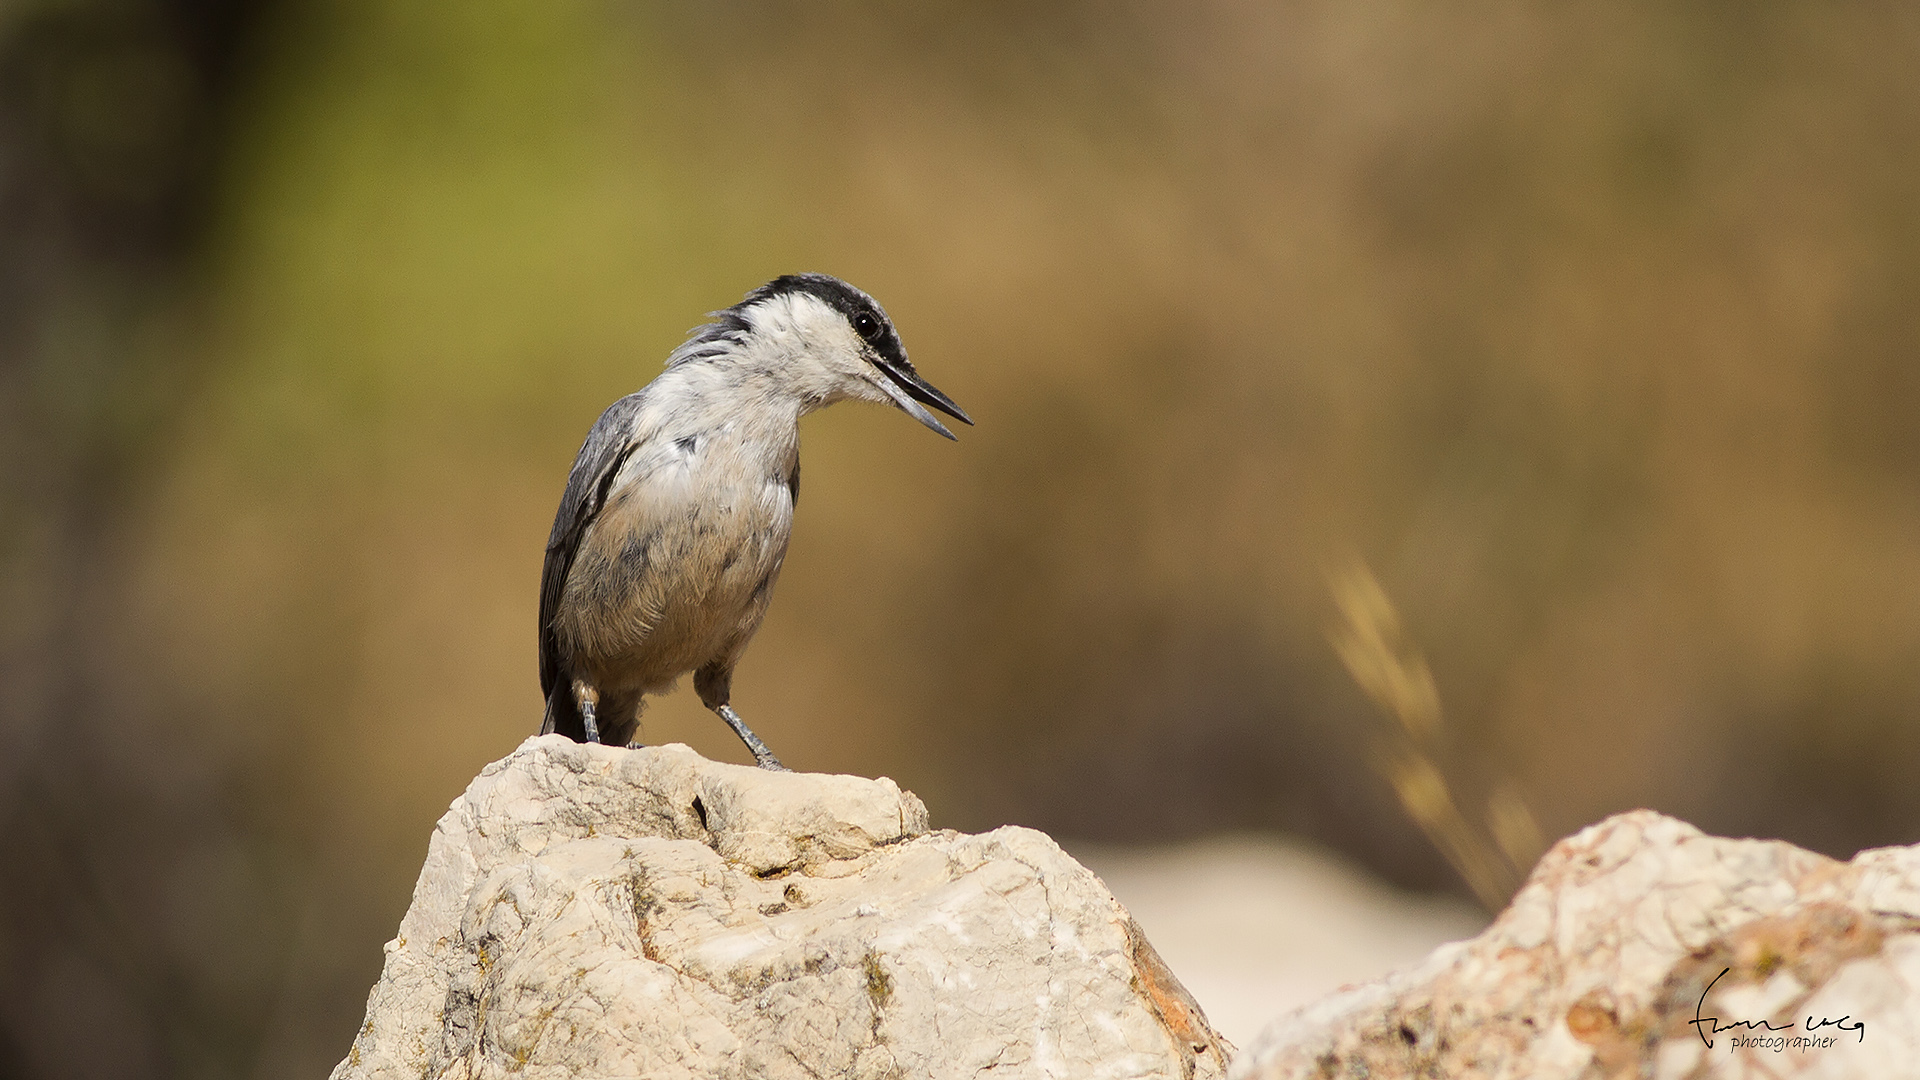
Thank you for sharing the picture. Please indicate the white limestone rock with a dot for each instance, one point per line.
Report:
(1601, 964)
(589, 911)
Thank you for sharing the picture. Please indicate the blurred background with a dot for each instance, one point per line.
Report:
(1588, 330)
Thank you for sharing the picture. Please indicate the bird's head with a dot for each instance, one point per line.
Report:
(826, 341)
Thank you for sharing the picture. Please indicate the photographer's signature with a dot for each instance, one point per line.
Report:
(1709, 1026)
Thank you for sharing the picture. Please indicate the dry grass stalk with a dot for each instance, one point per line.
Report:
(1370, 641)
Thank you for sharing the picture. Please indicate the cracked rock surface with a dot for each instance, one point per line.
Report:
(600, 912)
(1600, 966)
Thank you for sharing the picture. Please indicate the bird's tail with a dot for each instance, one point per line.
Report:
(563, 715)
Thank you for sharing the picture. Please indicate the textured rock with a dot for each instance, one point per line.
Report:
(598, 912)
(1603, 961)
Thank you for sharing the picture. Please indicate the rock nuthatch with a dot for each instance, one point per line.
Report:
(675, 520)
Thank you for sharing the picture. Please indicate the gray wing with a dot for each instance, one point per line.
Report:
(599, 461)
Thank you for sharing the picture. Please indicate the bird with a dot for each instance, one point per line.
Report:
(674, 523)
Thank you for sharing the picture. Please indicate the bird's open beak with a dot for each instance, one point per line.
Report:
(908, 390)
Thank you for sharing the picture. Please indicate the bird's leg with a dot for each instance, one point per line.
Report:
(713, 683)
(763, 756)
(588, 699)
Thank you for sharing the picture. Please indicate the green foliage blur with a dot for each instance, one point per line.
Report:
(1591, 327)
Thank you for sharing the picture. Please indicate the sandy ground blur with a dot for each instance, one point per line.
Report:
(1256, 925)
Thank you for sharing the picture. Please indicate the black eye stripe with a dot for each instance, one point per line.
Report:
(862, 313)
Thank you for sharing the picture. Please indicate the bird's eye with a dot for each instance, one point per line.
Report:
(866, 325)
